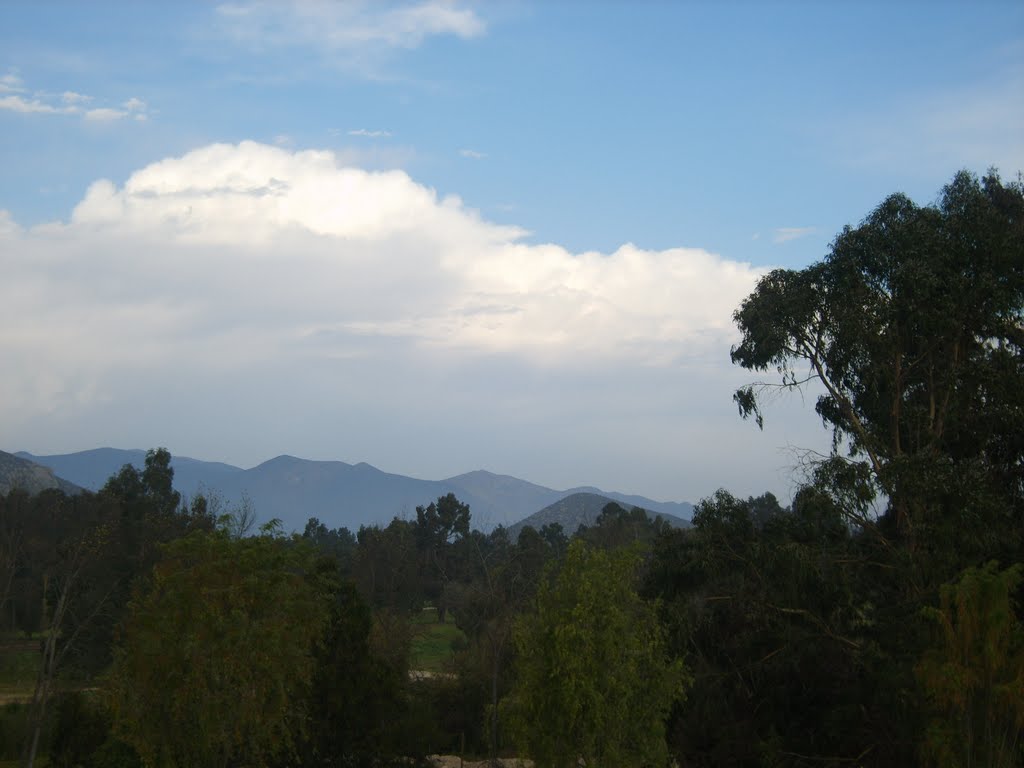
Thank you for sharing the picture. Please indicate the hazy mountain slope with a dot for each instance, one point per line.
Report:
(288, 488)
(680, 509)
(337, 493)
(22, 473)
(580, 509)
(91, 469)
(500, 499)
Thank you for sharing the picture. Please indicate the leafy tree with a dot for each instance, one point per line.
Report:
(338, 543)
(83, 736)
(440, 527)
(504, 580)
(913, 327)
(593, 680)
(12, 541)
(69, 541)
(218, 654)
(386, 567)
(554, 535)
(780, 624)
(615, 527)
(154, 484)
(973, 673)
(355, 692)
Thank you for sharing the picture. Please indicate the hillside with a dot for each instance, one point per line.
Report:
(21, 473)
(339, 494)
(579, 509)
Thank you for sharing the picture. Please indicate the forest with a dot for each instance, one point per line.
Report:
(875, 620)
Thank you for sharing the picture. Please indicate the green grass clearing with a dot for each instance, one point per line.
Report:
(432, 642)
(19, 665)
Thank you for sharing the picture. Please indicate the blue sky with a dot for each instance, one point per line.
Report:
(438, 236)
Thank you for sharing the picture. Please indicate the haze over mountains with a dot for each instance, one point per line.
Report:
(337, 493)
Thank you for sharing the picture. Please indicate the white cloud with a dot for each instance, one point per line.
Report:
(347, 26)
(472, 154)
(490, 289)
(333, 255)
(104, 114)
(272, 296)
(7, 225)
(66, 103)
(785, 234)
(376, 134)
(31, 106)
(11, 83)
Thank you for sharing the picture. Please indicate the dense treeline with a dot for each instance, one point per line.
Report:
(874, 621)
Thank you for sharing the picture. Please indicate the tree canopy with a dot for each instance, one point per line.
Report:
(913, 327)
(218, 654)
(593, 679)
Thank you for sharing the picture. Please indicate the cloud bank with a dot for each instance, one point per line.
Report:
(256, 278)
(332, 236)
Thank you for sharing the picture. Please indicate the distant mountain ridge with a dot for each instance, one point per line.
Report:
(339, 494)
(17, 472)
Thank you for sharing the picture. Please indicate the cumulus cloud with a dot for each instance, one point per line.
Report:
(472, 154)
(375, 134)
(237, 276)
(333, 255)
(785, 234)
(454, 279)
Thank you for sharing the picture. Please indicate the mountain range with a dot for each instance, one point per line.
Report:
(339, 494)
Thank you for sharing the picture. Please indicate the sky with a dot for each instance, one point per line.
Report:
(440, 236)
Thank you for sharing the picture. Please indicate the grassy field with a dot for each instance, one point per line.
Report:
(19, 665)
(432, 642)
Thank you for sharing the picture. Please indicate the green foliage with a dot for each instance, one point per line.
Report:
(616, 527)
(442, 531)
(785, 624)
(593, 680)
(83, 736)
(338, 543)
(14, 720)
(973, 674)
(386, 567)
(154, 485)
(355, 692)
(433, 645)
(912, 325)
(218, 653)
(801, 624)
